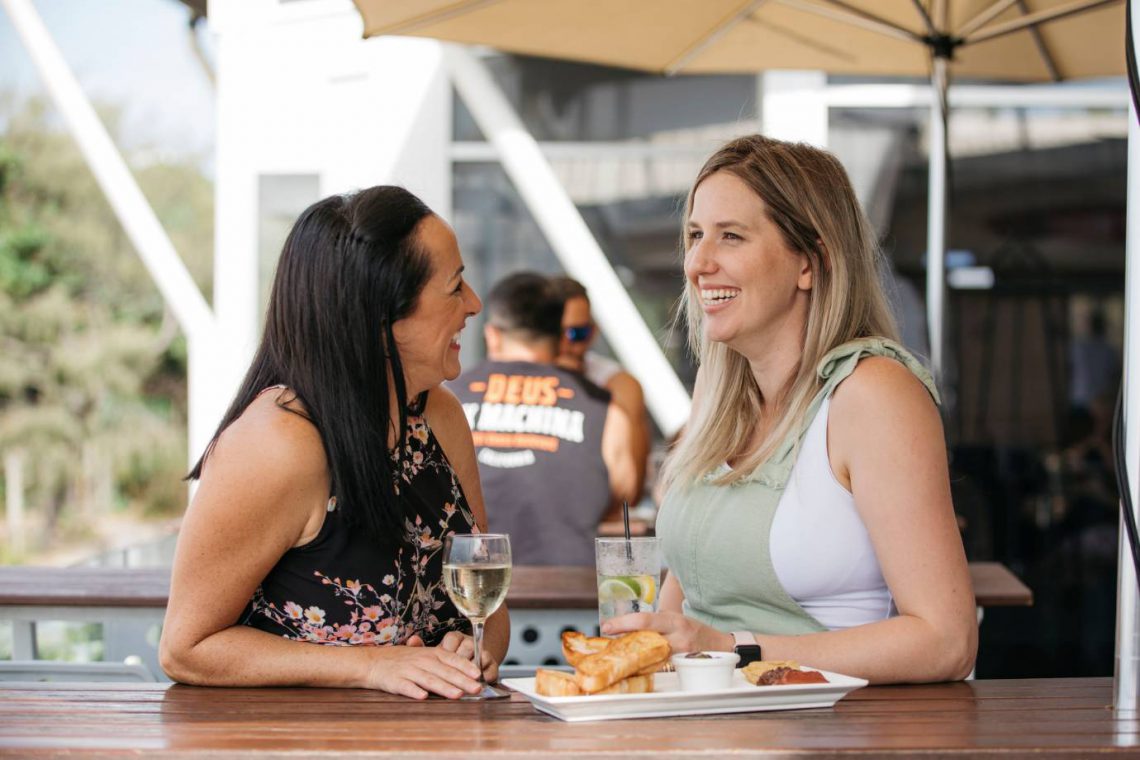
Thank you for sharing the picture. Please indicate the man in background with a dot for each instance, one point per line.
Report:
(553, 450)
(578, 335)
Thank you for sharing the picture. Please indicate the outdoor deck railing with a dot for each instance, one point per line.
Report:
(130, 604)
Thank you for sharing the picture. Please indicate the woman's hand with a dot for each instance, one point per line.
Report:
(414, 670)
(683, 633)
(464, 646)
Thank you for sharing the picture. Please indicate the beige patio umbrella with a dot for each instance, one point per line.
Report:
(1013, 40)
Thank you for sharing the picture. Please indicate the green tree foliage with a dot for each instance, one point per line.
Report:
(92, 364)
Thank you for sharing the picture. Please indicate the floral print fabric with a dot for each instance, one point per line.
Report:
(343, 590)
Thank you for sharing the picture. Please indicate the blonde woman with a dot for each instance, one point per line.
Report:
(807, 513)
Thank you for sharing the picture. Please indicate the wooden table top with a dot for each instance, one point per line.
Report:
(1053, 717)
(531, 587)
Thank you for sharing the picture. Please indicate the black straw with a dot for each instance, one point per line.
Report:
(625, 519)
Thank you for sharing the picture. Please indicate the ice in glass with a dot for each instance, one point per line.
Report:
(629, 576)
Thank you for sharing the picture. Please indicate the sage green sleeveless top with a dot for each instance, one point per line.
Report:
(715, 538)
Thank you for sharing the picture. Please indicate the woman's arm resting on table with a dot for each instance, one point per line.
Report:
(445, 414)
(885, 440)
(263, 491)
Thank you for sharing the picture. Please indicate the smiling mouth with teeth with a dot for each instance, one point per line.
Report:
(716, 296)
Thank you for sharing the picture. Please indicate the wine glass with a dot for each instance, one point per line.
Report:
(477, 574)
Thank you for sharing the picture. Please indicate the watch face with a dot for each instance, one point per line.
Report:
(749, 653)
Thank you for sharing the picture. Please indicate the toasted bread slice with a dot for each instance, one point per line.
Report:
(625, 656)
(656, 667)
(631, 685)
(578, 646)
(555, 683)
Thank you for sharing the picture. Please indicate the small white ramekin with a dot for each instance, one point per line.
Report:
(700, 674)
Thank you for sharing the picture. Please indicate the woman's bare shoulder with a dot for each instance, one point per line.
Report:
(878, 381)
(265, 481)
(273, 433)
(882, 402)
(443, 405)
(445, 415)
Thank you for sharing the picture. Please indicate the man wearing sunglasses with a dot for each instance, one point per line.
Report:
(552, 449)
(578, 334)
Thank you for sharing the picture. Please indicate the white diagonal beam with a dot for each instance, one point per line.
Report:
(537, 184)
(113, 175)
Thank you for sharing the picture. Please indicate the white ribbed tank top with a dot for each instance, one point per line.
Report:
(820, 549)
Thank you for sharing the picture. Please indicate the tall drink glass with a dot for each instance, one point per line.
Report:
(629, 575)
(477, 574)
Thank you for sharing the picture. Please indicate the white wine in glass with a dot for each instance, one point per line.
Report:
(477, 574)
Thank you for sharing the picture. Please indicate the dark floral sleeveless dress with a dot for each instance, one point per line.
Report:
(343, 589)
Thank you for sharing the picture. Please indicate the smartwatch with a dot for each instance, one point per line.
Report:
(747, 647)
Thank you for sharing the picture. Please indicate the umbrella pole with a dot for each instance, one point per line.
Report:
(936, 215)
(1126, 674)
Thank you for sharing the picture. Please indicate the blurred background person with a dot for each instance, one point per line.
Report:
(553, 450)
(579, 332)
(1094, 365)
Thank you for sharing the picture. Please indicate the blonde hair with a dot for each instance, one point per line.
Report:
(807, 195)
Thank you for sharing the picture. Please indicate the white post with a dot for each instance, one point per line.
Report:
(936, 218)
(1127, 666)
(14, 499)
(556, 215)
(235, 210)
(209, 397)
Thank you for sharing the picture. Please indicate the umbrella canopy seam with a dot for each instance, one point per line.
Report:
(1034, 20)
(708, 38)
(838, 11)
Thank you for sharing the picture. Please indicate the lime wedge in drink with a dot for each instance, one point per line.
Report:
(621, 589)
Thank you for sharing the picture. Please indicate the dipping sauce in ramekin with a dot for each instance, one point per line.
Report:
(705, 671)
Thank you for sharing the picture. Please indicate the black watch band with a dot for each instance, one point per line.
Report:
(747, 647)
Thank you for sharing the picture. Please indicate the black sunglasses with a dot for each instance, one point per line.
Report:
(579, 333)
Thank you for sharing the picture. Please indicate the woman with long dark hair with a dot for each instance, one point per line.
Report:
(312, 551)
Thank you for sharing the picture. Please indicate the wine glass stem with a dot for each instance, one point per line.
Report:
(477, 634)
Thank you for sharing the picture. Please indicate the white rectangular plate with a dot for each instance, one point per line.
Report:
(667, 698)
